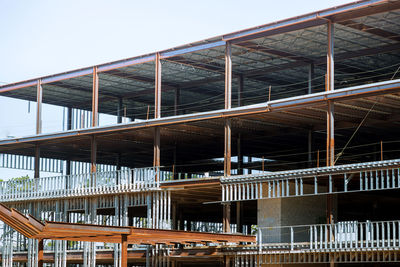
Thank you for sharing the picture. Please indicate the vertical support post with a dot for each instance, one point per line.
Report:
(240, 91)
(157, 94)
(177, 100)
(95, 98)
(40, 253)
(228, 76)
(156, 159)
(239, 154)
(37, 161)
(39, 97)
(228, 105)
(330, 69)
(226, 221)
(93, 154)
(310, 78)
(119, 110)
(239, 216)
(227, 145)
(309, 148)
(330, 129)
(124, 251)
(69, 127)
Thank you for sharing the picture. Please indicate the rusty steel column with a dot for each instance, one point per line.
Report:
(37, 162)
(239, 155)
(39, 97)
(40, 253)
(157, 112)
(330, 142)
(93, 154)
(330, 123)
(156, 160)
(157, 95)
(226, 221)
(228, 105)
(95, 98)
(124, 251)
(239, 216)
(69, 127)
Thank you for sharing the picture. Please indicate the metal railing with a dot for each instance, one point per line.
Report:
(322, 237)
(80, 184)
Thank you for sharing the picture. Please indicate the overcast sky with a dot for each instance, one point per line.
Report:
(39, 38)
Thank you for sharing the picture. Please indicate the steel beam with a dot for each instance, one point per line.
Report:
(95, 98)
(379, 88)
(157, 93)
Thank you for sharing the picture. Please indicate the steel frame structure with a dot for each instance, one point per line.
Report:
(134, 181)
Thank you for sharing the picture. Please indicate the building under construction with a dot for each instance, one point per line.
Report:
(279, 141)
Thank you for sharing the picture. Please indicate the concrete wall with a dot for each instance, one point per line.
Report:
(291, 211)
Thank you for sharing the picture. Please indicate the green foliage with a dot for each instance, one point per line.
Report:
(20, 184)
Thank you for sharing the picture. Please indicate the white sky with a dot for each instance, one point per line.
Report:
(45, 37)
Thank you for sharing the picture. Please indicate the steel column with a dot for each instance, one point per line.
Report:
(309, 148)
(119, 110)
(330, 69)
(157, 95)
(95, 98)
(177, 100)
(39, 97)
(156, 160)
(240, 91)
(228, 105)
(226, 220)
(239, 155)
(310, 78)
(124, 251)
(40, 253)
(93, 154)
(228, 76)
(37, 162)
(330, 129)
(227, 146)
